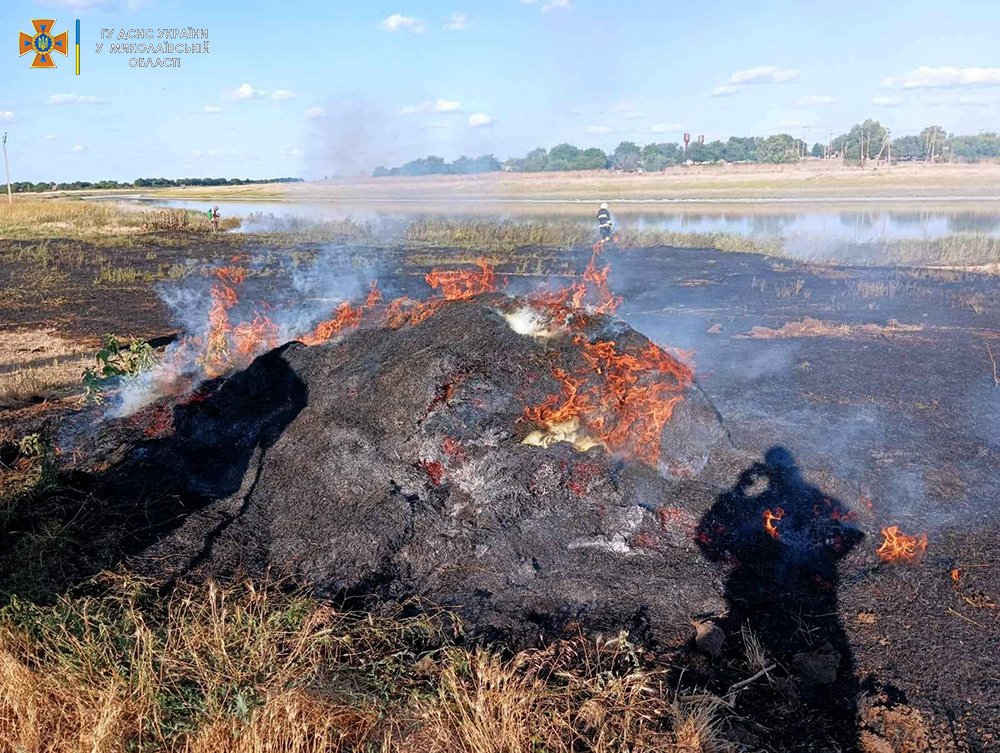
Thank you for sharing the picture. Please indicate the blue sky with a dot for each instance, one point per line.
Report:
(314, 88)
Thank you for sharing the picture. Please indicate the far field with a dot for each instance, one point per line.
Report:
(810, 180)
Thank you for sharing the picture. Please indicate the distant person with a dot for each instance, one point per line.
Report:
(604, 223)
(213, 215)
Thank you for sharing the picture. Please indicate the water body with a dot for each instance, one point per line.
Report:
(806, 228)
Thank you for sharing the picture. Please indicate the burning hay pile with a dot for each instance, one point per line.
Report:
(532, 461)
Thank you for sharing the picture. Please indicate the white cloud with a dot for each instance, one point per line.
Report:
(428, 105)
(399, 22)
(480, 120)
(315, 113)
(666, 128)
(627, 111)
(211, 109)
(78, 148)
(50, 137)
(74, 99)
(598, 130)
(944, 77)
(456, 22)
(764, 74)
(6, 116)
(434, 125)
(887, 101)
(724, 90)
(816, 100)
(790, 124)
(289, 151)
(244, 93)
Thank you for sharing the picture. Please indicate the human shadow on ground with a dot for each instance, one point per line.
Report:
(780, 539)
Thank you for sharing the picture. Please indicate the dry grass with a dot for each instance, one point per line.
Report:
(811, 327)
(253, 670)
(696, 725)
(507, 236)
(25, 386)
(957, 249)
(29, 218)
(867, 289)
(37, 365)
(791, 289)
(756, 656)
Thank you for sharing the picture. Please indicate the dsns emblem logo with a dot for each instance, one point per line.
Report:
(43, 44)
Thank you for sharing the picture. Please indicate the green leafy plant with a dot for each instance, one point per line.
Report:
(116, 361)
(39, 447)
(32, 446)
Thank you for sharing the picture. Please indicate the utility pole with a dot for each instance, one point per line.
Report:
(886, 147)
(6, 167)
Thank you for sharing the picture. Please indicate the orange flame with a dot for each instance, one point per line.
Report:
(227, 346)
(217, 357)
(607, 303)
(461, 284)
(770, 518)
(233, 275)
(625, 399)
(591, 292)
(250, 338)
(455, 285)
(345, 317)
(898, 547)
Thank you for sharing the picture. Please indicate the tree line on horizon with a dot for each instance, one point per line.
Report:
(864, 142)
(104, 185)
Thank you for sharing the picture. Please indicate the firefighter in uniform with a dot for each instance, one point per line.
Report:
(604, 223)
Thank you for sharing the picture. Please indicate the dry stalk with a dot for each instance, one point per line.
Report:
(996, 372)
